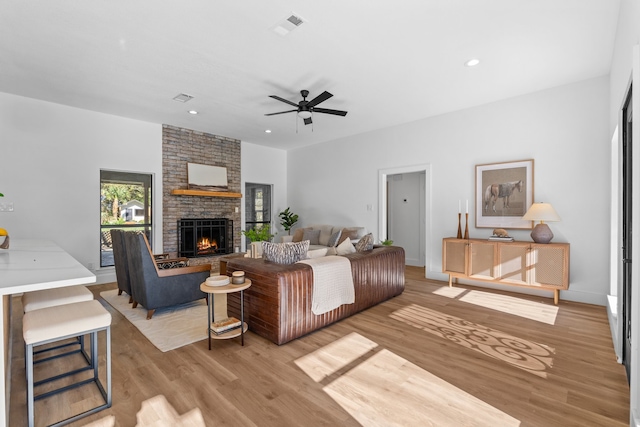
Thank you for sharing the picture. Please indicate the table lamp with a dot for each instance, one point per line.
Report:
(541, 212)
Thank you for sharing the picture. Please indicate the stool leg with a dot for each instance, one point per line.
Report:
(108, 350)
(94, 353)
(29, 373)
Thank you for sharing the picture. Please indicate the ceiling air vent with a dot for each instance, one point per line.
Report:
(295, 20)
(182, 97)
(287, 25)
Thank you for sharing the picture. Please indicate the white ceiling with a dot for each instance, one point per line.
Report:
(385, 62)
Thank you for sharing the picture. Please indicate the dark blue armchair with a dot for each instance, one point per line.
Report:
(153, 287)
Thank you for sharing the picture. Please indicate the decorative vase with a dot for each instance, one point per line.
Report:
(4, 242)
(256, 249)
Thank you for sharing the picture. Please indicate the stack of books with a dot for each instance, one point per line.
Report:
(225, 325)
(501, 239)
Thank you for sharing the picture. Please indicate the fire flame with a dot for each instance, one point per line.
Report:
(205, 245)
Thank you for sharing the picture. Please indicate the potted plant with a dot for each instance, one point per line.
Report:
(387, 242)
(287, 220)
(260, 233)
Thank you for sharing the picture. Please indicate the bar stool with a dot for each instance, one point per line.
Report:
(37, 300)
(52, 324)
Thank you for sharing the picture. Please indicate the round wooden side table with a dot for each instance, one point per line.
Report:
(217, 309)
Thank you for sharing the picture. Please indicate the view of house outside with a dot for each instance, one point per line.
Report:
(125, 203)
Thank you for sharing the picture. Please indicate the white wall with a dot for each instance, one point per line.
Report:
(565, 131)
(626, 46)
(50, 161)
(262, 165)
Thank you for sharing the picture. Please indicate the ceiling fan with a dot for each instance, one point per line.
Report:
(305, 108)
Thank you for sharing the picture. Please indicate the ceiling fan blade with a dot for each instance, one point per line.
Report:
(329, 111)
(283, 100)
(281, 112)
(307, 121)
(320, 98)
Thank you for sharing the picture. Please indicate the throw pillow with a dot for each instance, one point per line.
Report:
(333, 240)
(347, 234)
(332, 251)
(365, 243)
(317, 253)
(165, 265)
(345, 247)
(313, 236)
(297, 235)
(285, 253)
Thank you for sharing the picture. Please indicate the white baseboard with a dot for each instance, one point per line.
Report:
(612, 314)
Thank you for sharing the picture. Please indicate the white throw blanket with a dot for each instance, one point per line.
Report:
(332, 283)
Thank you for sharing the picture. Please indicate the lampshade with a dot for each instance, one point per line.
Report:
(541, 212)
(304, 114)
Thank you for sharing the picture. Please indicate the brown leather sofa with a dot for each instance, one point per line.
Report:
(277, 306)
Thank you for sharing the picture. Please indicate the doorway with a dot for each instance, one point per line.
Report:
(406, 215)
(418, 201)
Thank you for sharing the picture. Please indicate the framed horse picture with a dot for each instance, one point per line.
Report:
(504, 193)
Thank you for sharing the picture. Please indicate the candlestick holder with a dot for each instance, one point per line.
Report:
(466, 226)
(459, 226)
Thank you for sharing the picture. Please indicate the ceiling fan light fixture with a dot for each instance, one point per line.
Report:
(304, 114)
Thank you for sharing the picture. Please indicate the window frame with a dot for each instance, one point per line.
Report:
(126, 178)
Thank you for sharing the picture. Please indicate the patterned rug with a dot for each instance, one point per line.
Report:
(170, 327)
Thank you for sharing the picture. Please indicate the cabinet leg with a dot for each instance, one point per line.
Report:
(450, 280)
(556, 296)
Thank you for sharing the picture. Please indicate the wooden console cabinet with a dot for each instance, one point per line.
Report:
(535, 265)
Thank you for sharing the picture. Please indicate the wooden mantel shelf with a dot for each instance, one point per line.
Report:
(183, 192)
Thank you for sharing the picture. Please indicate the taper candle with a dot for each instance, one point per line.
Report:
(467, 211)
(459, 206)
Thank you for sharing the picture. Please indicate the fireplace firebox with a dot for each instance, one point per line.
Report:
(205, 237)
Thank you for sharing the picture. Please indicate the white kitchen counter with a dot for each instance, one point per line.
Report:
(31, 265)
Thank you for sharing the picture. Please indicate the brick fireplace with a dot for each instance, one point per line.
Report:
(179, 147)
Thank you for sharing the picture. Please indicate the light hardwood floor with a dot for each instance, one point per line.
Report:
(432, 356)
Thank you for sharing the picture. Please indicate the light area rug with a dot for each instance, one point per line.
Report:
(170, 327)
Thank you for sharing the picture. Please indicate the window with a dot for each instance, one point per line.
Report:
(257, 206)
(125, 203)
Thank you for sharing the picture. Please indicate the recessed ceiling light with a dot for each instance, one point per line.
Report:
(267, 131)
(472, 62)
(194, 112)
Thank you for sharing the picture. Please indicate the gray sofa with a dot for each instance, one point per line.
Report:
(320, 234)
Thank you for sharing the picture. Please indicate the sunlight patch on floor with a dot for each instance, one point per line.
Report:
(335, 356)
(383, 389)
(523, 354)
(540, 312)
(450, 292)
(531, 310)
